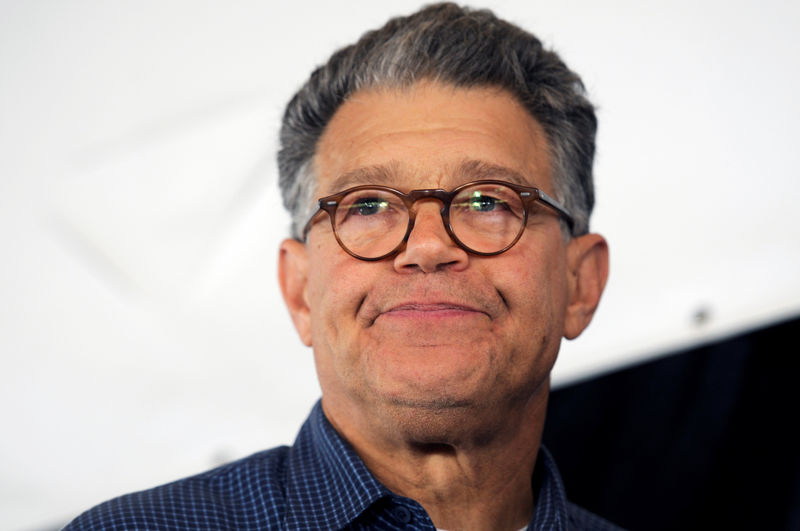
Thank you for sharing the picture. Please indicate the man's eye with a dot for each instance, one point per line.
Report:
(369, 206)
(485, 203)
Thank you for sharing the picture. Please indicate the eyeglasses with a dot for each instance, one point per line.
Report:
(482, 217)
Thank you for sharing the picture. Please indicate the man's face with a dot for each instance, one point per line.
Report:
(433, 328)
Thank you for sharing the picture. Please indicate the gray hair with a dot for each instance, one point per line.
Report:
(457, 46)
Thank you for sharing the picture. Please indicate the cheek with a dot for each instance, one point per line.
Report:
(336, 287)
(537, 306)
(536, 294)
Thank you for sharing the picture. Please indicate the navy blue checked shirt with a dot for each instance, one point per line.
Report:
(318, 483)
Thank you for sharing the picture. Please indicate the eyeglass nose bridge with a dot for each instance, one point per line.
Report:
(446, 198)
(429, 193)
(410, 199)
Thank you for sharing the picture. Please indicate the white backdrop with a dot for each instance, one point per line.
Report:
(141, 329)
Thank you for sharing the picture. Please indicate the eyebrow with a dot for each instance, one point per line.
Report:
(381, 174)
(465, 171)
(476, 170)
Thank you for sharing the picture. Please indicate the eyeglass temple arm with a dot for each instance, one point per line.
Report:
(304, 234)
(555, 205)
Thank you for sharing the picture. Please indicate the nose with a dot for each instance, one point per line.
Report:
(429, 247)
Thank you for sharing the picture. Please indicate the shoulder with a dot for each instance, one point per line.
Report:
(580, 519)
(244, 494)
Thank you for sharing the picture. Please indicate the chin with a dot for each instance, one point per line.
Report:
(427, 391)
(439, 419)
(443, 422)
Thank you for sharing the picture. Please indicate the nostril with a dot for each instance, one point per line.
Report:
(429, 248)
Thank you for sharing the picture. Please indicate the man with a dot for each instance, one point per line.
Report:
(447, 257)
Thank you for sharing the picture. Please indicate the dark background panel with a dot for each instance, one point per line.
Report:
(700, 439)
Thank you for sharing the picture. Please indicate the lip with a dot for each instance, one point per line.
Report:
(418, 310)
(438, 298)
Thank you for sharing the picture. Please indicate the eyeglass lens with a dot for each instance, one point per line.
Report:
(485, 218)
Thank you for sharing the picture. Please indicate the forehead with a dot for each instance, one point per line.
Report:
(430, 136)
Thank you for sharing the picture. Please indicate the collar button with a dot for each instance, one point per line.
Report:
(402, 514)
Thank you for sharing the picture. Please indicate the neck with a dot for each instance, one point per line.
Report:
(469, 469)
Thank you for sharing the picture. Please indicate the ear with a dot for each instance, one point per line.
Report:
(293, 278)
(587, 270)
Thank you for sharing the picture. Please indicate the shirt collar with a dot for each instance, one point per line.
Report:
(550, 511)
(323, 463)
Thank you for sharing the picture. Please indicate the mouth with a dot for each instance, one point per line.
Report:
(431, 310)
(427, 303)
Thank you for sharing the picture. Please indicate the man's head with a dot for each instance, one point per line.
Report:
(455, 46)
(437, 342)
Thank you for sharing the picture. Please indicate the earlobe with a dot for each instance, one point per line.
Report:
(293, 279)
(587, 263)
